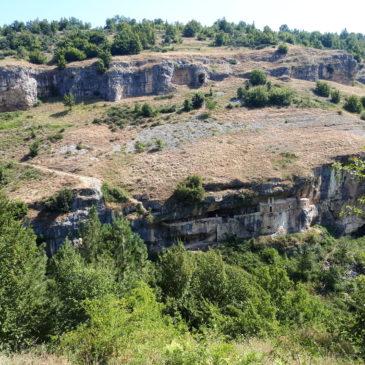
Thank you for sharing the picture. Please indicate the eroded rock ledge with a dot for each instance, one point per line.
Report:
(243, 210)
(22, 85)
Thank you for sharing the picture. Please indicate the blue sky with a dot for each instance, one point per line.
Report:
(323, 15)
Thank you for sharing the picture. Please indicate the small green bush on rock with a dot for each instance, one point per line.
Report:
(60, 202)
(190, 190)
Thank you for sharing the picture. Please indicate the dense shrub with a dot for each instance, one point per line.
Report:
(283, 49)
(188, 106)
(23, 296)
(322, 89)
(37, 57)
(72, 54)
(280, 96)
(113, 194)
(191, 29)
(197, 101)
(126, 42)
(60, 202)
(335, 96)
(147, 111)
(257, 97)
(353, 104)
(363, 101)
(258, 77)
(221, 39)
(190, 190)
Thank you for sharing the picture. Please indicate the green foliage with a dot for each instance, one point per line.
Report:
(126, 42)
(197, 100)
(322, 89)
(131, 328)
(363, 101)
(283, 49)
(335, 96)
(139, 146)
(37, 57)
(147, 111)
(69, 101)
(221, 39)
(73, 281)
(192, 28)
(23, 297)
(172, 34)
(60, 202)
(190, 190)
(188, 106)
(114, 194)
(280, 96)
(34, 148)
(258, 77)
(353, 104)
(257, 97)
(176, 269)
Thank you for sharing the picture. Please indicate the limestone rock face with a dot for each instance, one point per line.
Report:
(18, 89)
(276, 209)
(340, 67)
(21, 86)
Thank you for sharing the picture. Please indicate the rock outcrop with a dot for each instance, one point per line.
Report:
(21, 86)
(251, 210)
(241, 210)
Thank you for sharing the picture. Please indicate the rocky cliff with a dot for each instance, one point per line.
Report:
(242, 210)
(22, 85)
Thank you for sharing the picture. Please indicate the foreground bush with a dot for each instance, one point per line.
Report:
(23, 295)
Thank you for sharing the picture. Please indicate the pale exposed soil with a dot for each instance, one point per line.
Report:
(221, 146)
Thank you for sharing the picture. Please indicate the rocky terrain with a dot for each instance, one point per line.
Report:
(266, 171)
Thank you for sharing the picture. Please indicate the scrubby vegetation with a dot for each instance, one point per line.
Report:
(69, 40)
(322, 89)
(60, 202)
(104, 301)
(190, 190)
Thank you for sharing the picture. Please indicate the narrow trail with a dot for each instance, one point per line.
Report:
(88, 181)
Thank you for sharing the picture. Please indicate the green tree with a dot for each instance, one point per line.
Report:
(322, 89)
(126, 42)
(192, 28)
(73, 281)
(132, 328)
(353, 104)
(176, 268)
(335, 96)
(23, 291)
(69, 101)
(197, 100)
(258, 77)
